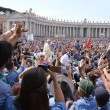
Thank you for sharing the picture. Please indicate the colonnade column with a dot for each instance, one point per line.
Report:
(104, 31)
(73, 31)
(30, 27)
(96, 32)
(58, 30)
(81, 32)
(44, 31)
(70, 31)
(39, 30)
(67, 31)
(88, 32)
(99, 32)
(107, 32)
(34, 29)
(52, 31)
(55, 31)
(92, 32)
(64, 31)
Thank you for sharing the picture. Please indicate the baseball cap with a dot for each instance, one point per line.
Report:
(87, 86)
(101, 95)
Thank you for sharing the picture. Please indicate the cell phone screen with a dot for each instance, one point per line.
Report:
(56, 69)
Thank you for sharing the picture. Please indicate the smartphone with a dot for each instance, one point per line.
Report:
(56, 69)
(44, 67)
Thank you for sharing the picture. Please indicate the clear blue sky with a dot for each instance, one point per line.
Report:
(97, 10)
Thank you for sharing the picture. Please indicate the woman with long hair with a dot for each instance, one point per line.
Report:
(33, 92)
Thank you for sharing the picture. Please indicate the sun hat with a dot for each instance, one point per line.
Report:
(61, 78)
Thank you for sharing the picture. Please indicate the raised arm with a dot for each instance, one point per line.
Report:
(5, 36)
(81, 66)
(14, 34)
(59, 97)
(102, 76)
(106, 73)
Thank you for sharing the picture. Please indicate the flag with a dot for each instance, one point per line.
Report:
(88, 43)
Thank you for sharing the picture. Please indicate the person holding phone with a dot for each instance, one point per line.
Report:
(33, 92)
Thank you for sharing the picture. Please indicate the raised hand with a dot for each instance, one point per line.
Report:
(97, 72)
(52, 74)
(81, 64)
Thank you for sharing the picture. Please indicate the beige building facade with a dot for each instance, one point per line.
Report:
(41, 26)
(2, 22)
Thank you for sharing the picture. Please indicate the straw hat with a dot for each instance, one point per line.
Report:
(61, 78)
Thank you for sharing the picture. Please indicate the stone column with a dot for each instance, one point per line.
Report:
(107, 32)
(99, 32)
(76, 32)
(34, 29)
(55, 31)
(67, 31)
(70, 31)
(39, 29)
(104, 31)
(48, 31)
(64, 32)
(81, 32)
(61, 30)
(30, 28)
(44, 30)
(58, 30)
(96, 32)
(52, 30)
(88, 32)
(92, 32)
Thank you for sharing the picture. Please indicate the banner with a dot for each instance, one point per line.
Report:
(30, 37)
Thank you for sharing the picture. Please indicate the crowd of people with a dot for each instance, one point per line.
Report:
(54, 73)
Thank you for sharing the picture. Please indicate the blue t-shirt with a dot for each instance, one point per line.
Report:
(5, 92)
(107, 107)
(13, 75)
(84, 104)
(10, 106)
